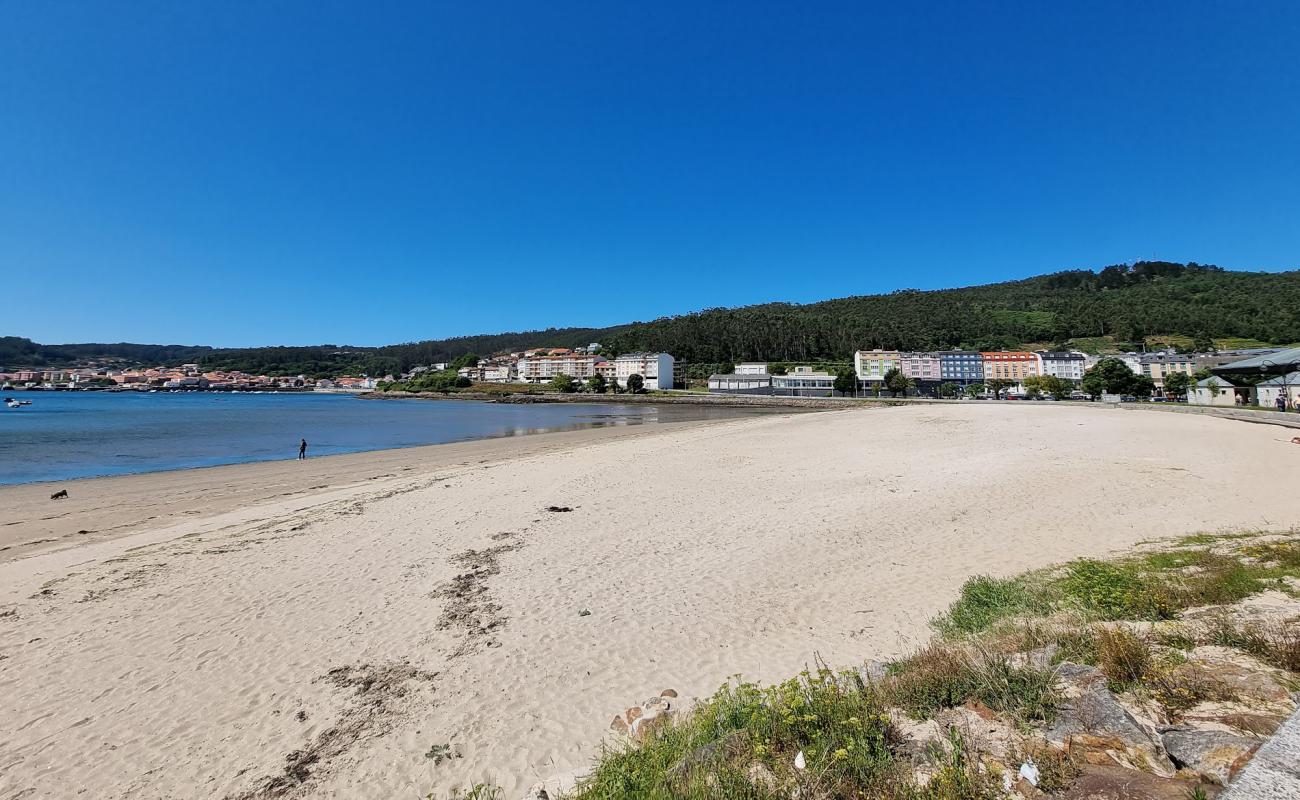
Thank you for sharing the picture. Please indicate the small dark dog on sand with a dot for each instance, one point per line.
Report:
(59, 495)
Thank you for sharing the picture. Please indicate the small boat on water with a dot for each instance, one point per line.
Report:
(12, 403)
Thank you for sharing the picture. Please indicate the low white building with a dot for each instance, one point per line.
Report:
(655, 369)
(1212, 391)
(741, 383)
(804, 382)
(1287, 386)
(752, 368)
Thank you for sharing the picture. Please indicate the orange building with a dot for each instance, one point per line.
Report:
(1012, 365)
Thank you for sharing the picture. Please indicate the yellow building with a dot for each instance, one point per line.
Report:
(871, 365)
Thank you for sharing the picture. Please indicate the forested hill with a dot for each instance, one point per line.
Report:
(1124, 303)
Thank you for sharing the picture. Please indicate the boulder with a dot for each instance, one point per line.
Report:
(1213, 755)
(1093, 724)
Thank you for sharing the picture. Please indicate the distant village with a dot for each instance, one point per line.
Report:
(186, 377)
(1261, 376)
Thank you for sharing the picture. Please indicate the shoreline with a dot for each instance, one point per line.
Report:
(675, 398)
(125, 504)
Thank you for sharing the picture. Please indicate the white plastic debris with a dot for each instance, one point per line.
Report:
(1029, 771)
(799, 761)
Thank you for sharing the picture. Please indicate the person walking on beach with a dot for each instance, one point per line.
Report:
(302, 450)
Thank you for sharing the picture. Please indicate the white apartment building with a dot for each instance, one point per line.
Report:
(752, 368)
(655, 369)
(541, 369)
(498, 373)
(1067, 365)
(871, 365)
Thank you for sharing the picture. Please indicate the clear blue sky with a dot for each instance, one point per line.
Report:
(260, 173)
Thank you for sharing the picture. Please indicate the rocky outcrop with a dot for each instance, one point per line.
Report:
(639, 720)
(1092, 724)
(1213, 755)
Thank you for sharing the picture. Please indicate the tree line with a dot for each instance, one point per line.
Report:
(1125, 302)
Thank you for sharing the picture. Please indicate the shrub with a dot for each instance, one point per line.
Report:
(944, 676)
(1124, 656)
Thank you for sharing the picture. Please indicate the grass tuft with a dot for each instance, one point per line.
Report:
(985, 601)
(1123, 656)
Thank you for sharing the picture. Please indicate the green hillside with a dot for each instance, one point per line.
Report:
(1158, 302)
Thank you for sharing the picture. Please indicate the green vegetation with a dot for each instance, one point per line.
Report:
(1177, 383)
(942, 676)
(846, 381)
(996, 386)
(1036, 385)
(635, 383)
(564, 384)
(1112, 376)
(1101, 312)
(1155, 586)
(824, 734)
(1114, 309)
(742, 744)
(898, 383)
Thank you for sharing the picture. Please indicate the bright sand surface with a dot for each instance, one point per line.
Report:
(189, 655)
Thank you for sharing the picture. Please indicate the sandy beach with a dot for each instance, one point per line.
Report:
(322, 630)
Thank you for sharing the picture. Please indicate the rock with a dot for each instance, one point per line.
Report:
(1092, 723)
(704, 759)
(1231, 717)
(537, 793)
(1258, 724)
(649, 714)
(917, 740)
(1026, 789)
(761, 777)
(1097, 782)
(1214, 755)
(984, 733)
(636, 721)
(1243, 674)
